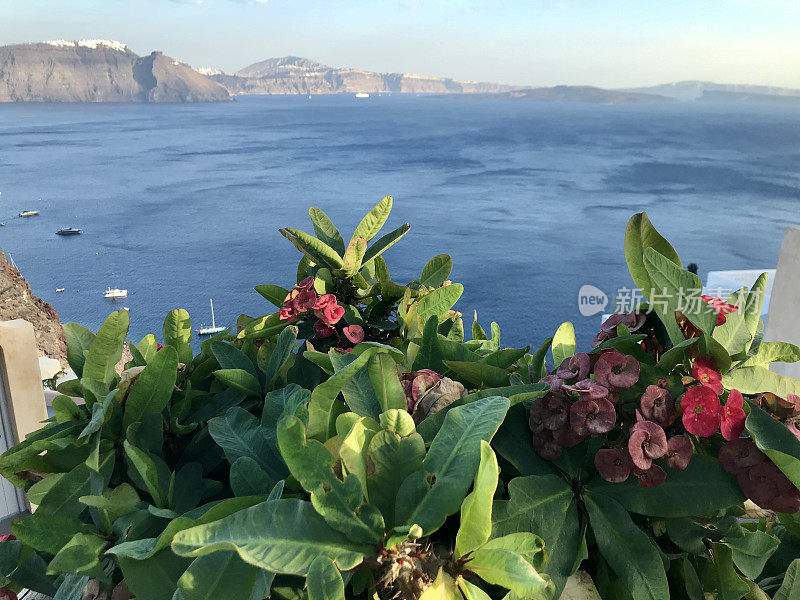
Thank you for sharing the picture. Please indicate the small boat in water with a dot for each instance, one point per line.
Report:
(69, 231)
(204, 330)
(60, 289)
(362, 95)
(112, 293)
(29, 213)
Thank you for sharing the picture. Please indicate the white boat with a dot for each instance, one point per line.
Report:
(112, 293)
(60, 289)
(29, 213)
(205, 330)
(362, 95)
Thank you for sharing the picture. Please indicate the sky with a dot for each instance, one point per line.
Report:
(608, 43)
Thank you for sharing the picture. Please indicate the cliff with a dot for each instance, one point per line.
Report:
(18, 302)
(295, 75)
(694, 90)
(98, 71)
(749, 98)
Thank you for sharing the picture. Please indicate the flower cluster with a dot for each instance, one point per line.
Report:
(577, 406)
(722, 308)
(702, 413)
(760, 480)
(303, 298)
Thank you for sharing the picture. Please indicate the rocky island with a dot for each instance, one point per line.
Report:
(98, 71)
(295, 75)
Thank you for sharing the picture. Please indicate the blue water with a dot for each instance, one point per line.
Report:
(182, 203)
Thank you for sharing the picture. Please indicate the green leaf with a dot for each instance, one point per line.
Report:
(247, 478)
(476, 510)
(393, 455)
(177, 332)
(147, 347)
(544, 504)
(152, 388)
(324, 582)
(323, 407)
(443, 588)
(383, 374)
(752, 310)
(639, 236)
(81, 555)
(439, 301)
(629, 551)
(106, 349)
(239, 433)
(471, 591)
(730, 585)
(273, 293)
(675, 289)
(48, 532)
(230, 357)
(326, 230)
(702, 487)
(436, 271)
(154, 578)
(339, 502)
(510, 570)
(770, 352)
(353, 449)
(756, 379)
(563, 345)
(316, 250)
(790, 588)
(479, 374)
(373, 221)
(385, 242)
(428, 497)
(218, 575)
(239, 379)
(776, 441)
(751, 551)
(356, 250)
(282, 536)
(79, 340)
(283, 349)
(528, 545)
(147, 469)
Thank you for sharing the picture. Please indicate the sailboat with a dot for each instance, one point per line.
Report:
(213, 329)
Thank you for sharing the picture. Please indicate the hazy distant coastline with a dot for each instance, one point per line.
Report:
(108, 71)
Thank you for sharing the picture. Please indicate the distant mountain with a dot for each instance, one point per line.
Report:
(693, 90)
(295, 75)
(579, 93)
(749, 98)
(98, 71)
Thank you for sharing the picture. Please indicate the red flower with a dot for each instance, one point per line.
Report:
(7, 538)
(652, 477)
(159, 346)
(733, 416)
(326, 309)
(354, 333)
(700, 408)
(287, 314)
(705, 371)
(613, 464)
(721, 307)
(322, 330)
(616, 370)
(592, 416)
(7, 594)
(647, 442)
(657, 405)
(679, 452)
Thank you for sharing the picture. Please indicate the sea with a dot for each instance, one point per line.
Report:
(181, 203)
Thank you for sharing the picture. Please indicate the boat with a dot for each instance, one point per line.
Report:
(213, 329)
(29, 213)
(362, 95)
(69, 231)
(112, 293)
(60, 289)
